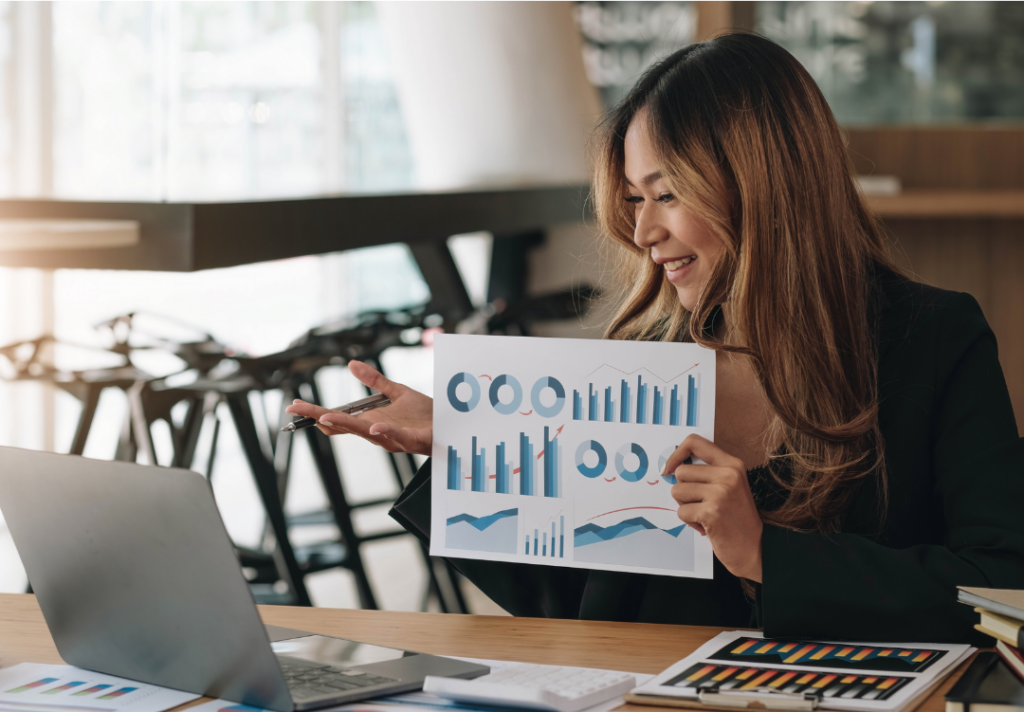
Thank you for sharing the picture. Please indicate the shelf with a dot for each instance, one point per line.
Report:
(998, 204)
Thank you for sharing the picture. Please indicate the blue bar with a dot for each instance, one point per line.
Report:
(552, 539)
(691, 402)
(501, 470)
(473, 467)
(551, 474)
(641, 400)
(525, 465)
(673, 411)
(577, 406)
(659, 406)
(609, 405)
(454, 478)
(535, 537)
(593, 403)
(545, 550)
(527, 544)
(624, 404)
(550, 469)
(479, 480)
(561, 536)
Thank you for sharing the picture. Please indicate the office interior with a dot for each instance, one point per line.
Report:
(321, 181)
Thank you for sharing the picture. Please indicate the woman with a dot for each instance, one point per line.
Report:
(866, 459)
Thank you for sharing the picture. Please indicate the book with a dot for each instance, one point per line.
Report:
(1001, 627)
(987, 685)
(1013, 658)
(1004, 601)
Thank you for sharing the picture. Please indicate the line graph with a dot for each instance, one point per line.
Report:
(642, 368)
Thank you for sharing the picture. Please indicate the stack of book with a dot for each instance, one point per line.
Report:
(993, 682)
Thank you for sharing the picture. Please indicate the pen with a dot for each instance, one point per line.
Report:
(377, 400)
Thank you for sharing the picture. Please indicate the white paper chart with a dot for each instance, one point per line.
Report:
(550, 451)
(33, 687)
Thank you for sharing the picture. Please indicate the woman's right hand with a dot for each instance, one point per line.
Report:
(407, 425)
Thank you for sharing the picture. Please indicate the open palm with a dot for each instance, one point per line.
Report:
(407, 425)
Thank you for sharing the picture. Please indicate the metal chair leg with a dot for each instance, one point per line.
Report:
(266, 482)
(89, 405)
(330, 478)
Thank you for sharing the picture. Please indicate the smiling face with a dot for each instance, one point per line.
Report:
(684, 247)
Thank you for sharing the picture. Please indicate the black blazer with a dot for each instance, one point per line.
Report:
(955, 513)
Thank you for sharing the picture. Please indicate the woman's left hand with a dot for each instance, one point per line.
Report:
(715, 500)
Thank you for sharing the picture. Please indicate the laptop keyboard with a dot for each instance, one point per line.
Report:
(307, 681)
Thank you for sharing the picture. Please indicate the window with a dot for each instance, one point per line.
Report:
(6, 98)
(622, 39)
(221, 101)
(907, 62)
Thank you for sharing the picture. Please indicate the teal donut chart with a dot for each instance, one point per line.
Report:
(620, 463)
(474, 397)
(517, 394)
(662, 459)
(538, 387)
(602, 459)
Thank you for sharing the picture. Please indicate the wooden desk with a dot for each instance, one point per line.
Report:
(635, 647)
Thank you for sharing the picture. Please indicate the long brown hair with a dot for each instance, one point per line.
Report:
(749, 146)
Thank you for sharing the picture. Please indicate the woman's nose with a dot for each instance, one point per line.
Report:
(649, 230)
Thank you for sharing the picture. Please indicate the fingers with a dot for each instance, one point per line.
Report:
(404, 440)
(690, 516)
(306, 410)
(369, 376)
(343, 423)
(697, 447)
(690, 493)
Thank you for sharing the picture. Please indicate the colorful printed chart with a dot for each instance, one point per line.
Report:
(844, 657)
(744, 679)
(31, 687)
(747, 669)
(572, 436)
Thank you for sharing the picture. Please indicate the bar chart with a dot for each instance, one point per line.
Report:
(547, 540)
(640, 403)
(795, 682)
(539, 472)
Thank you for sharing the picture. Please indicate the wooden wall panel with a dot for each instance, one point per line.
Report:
(936, 252)
(942, 157)
(981, 256)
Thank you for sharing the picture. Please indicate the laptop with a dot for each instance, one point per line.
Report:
(136, 577)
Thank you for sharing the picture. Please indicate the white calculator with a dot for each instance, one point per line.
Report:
(541, 687)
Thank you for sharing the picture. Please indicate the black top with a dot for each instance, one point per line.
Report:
(955, 512)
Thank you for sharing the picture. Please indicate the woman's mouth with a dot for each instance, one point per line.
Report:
(678, 269)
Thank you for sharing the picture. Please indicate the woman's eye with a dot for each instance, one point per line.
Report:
(666, 198)
(634, 199)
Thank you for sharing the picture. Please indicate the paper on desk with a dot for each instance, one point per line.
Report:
(859, 677)
(421, 700)
(550, 451)
(33, 687)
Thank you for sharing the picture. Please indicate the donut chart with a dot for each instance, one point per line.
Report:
(662, 459)
(620, 462)
(517, 394)
(538, 388)
(474, 396)
(602, 459)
